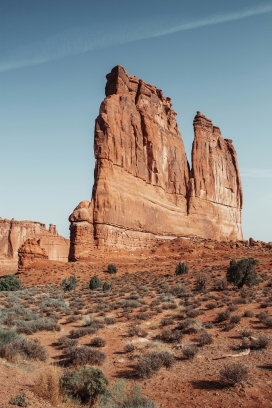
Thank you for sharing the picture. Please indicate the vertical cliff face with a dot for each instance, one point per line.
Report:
(14, 233)
(215, 188)
(143, 187)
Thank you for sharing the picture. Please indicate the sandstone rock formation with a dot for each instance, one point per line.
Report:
(144, 189)
(14, 233)
(29, 253)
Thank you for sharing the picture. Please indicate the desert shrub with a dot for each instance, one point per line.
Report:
(181, 268)
(66, 341)
(190, 351)
(84, 384)
(112, 268)
(242, 272)
(69, 284)
(223, 316)
(98, 342)
(37, 325)
(221, 284)
(234, 373)
(106, 286)
(268, 322)
(82, 331)
(201, 281)
(170, 336)
(167, 321)
(204, 339)
(189, 326)
(130, 347)
(118, 396)
(246, 333)
(73, 319)
(152, 362)
(229, 326)
(84, 355)
(211, 305)
(25, 348)
(109, 320)
(19, 400)
(208, 325)
(262, 341)
(178, 289)
(10, 283)
(235, 319)
(7, 336)
(95, 283)
(232, 308)
(193, 313)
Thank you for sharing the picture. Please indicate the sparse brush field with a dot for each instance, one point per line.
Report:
(150, 337)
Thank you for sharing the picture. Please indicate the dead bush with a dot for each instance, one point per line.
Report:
(47, 385)
(204, 339)
(234, 373)
(190, 351)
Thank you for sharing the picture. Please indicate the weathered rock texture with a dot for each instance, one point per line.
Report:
(29, 253)
(14, 233)
(144, 189)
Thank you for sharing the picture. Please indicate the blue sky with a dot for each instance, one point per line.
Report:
(213, 56)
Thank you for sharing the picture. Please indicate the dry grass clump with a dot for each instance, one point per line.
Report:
(47, 385)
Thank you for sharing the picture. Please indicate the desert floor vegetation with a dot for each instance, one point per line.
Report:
(173, 326)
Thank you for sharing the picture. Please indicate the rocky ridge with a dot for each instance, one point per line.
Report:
(14, 233)
(144, 189)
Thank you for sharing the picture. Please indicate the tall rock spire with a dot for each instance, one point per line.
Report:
(143, 188)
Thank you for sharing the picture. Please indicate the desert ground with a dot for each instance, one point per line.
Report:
(198, 319)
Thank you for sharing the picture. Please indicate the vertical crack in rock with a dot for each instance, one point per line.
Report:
(143, 185)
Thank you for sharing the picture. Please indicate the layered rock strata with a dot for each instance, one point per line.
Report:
(144, 189)
(29, 253)
(14, 233)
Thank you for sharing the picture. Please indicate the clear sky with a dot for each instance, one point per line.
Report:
(214, 56)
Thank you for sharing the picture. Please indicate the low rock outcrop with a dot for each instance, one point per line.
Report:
(29, 253)
(14, 233)
(144, 189)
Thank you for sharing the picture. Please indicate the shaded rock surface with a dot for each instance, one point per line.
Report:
(29, 253)
(14, 233)
(144, 189)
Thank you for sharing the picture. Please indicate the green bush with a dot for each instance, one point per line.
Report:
(242, 272)
(181, 268)
(106, 286)
(85, 384)
(112, 268)
(10, 283)
(69, 284)
(95, 283)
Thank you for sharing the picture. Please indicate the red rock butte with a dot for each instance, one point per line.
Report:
(14, 233)
(144, 189)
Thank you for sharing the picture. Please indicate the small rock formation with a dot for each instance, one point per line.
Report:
(144, 190)
(29, 253)
(14, 233)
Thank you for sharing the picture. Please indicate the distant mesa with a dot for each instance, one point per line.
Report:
(13, 235)
(144, 189)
